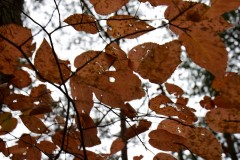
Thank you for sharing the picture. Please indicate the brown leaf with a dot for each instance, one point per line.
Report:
(188, 21)
(46, 146)
(117, 145)
(90, 155)
(9, 57)
(207, 103)
(33, 153)
(157, 2)
(16, 149)
(21, 79)
(174, 89)
(82, 22)
(218, 7)
(198, 140)
(155, 62)
(125, 26)
(26, 140)
(138, 157)
(163, 156)
(34, 124)
(19, 102)
(224, 120)
(47, 66)
(105, 7)
(89, 131)
(3, 148)
(7, 123)
(135, 130)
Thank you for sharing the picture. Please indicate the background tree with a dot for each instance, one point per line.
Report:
(102, 74)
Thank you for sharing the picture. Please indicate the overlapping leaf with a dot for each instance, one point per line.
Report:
(224, 120)
(82, 22)
(105, 7)
(124, 26)
(198, 140)
(21, 79)
(50, 68)
(155, 62)
(9, 57)
(7, 123)
(200, 34)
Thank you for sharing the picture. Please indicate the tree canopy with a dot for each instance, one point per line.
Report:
(111, 79)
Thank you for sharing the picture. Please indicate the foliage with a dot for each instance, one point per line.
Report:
(113, 77)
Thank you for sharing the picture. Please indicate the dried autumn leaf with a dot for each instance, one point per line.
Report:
(219, 7)
(90, 155)
(21, 79)
(207, 103)
(224, 120)
(138, 157)
(3, 148)
(198, 140)
(82, 22)
(166, 141)
(7, 123)
(163, 156)
(157, 2)
(16, 149)
(174, 89)
(9, 57)
(46, 147)
(125, 26)
(155, 62)
(89, 131)
(19, 102)
(33, 153)
(26, 140)
(105, 7)
(117, 145)
(47, 65)
(135, 130)
(228, 88)
(193, 28)
(34, 124)
(81, 94)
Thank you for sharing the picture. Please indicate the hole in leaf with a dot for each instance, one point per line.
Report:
(111, 79)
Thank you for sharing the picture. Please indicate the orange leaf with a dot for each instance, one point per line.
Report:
(21, 79)
(34, 124)
(105, 7)
(20, 36)
(224, 120)
(117, 145)
(47, 66)
(82, 22)
(155, 62)
(164, 156)
(124, 26)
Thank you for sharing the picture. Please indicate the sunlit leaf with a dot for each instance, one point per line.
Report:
(34, 124)
(48, 66)
(124, 26)
(21, 79)
(224, 120)
(155, 62)
(82, 22)
(105, 7)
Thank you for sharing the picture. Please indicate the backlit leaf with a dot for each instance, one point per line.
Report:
(47, 66)
(174, 89)
(82, 22)
(9, 57)
(124, 26)
(21, 79)
(105, 7)
(138, 157)
(3, 148)
(46, 146)
(117, 145)
(163, 156)
(224, 120)
(8, 125)
(26, 140)
(155, 62)
(33, 153)
(207, 103)
(34, 124)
